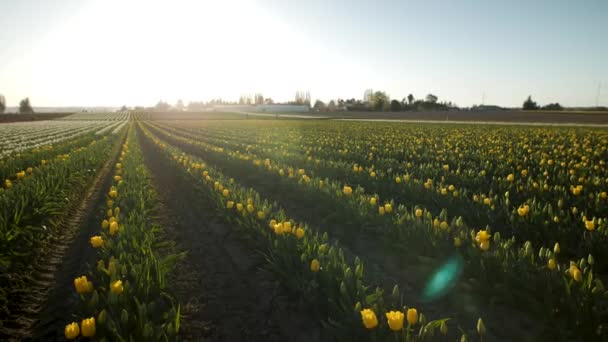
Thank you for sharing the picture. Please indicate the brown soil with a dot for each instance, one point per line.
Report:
(225, 293)
(5, 118)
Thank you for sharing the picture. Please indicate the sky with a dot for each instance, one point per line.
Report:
(137, 52)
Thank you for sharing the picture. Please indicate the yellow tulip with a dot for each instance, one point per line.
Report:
(116, 211)
(110, 203)
(314, 265)
(412, 316)
(575, 272)
(388, 208)
(444, 191)
(556, 248)
(113, 228)
(230, 204)
(372, 174)
(551, 264)
(381, 210)
(373, 201)
(7, 183)
(446, 167)
(510, 177)
(261, 215)
(96, 241)
(419, 212)
(20, 175)
(300, 233)
(589, 225)
(484, 245)
(436, 223)
(457, 242)
(226, 193)
(444, 225)
(239, 206)
(29, 170)
(370, 321)
(524, 173)
(603, 195)
(110, 213)
(116, 287)
(451, 188)
(117, 178)
(486, 201)
(83, 285)
(88, 327)
(71, 331)
(398, 180)
(395, 320)
(113, 193)
(105, 224)
(347, 190)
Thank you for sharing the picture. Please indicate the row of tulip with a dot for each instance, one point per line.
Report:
(515, 267)
(125, 298)
(516, 203)
(32, 208)
(308, 262)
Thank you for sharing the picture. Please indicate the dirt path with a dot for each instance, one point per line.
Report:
(42, 311)
(224, 291)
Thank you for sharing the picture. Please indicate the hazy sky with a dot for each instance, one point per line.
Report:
(114, 52)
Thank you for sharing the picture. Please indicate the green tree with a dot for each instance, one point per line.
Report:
(25, 107)
(319, 106)
(430, 98)
(2, 104)
(529, 104)
(395, 106)
(410, 99)
(379, 101)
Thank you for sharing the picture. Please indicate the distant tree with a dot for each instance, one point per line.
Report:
(395, 106)
(319, 106)
(430, 98)
(529, 104)
(368, 95)
(25, 107)
(553, 106)
(124, 108)
(259, 99)
(268, 101)
(162, 106)
(179, 105)
(331, 106)
(2, 104)
(410, 99)
(380, 101)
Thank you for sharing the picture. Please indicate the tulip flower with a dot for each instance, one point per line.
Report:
(71, 331)
(314, 265)
(395, 320)
(347, 190)
(114, 228)
(551, 264)
(83, 285)
(418, 212)
(96, 241)
(388, 208)
(412, 316)
(299, 233)
(116, 287)
(372, 201)
(370, 321)
(88, 327)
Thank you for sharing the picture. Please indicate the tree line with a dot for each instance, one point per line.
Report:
(379, 101)
(25, 107)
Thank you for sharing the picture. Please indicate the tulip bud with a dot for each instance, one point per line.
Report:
(359, 271)
(101, 318)
(590, 260)
(395, 293)
(124, 317)
(443, 328)
(463, 338)
(358, 307)
(556, 248)
(481, 328)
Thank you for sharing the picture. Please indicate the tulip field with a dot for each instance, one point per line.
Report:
(147, 227)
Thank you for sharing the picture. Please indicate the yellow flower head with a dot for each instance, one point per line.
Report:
(551, 264)
(388, 208)
(83, 285)
(96, 241)
(373, 201)
(116, 287)
(419, 212)
(88, 327)
(299, 233)
(239, 206)
(226, 193)
(105, 224)
(261, 214)
(347, 190)
(589, 225)
(71, 331)
(575, 273)
(510, 177)
(370, 321)
(114, 228)
(230, 204)
(412, 316)
(398, 180)
(314, 265)
(395, 320)
(250, 208)
(381, 210)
